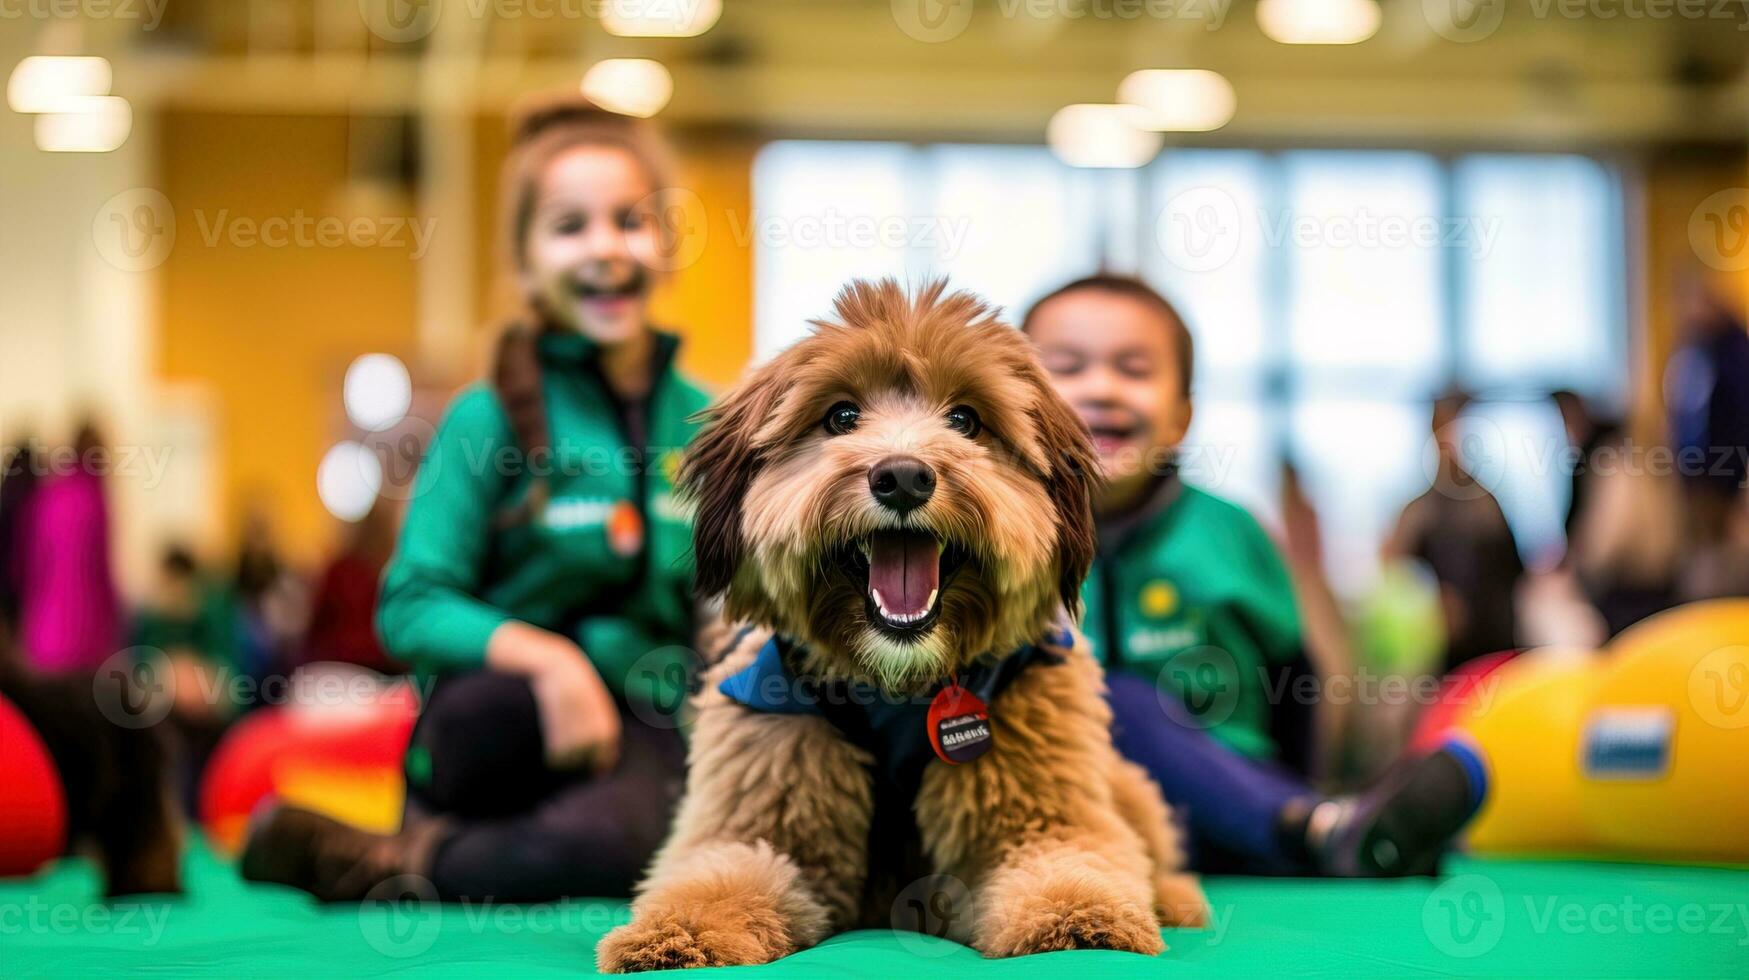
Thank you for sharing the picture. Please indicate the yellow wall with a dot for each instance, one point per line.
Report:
(711, 301)
(270, 330)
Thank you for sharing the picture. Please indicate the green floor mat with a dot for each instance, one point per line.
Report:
(1484, 918)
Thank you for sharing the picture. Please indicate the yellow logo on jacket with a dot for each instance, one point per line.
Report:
(1159, 599)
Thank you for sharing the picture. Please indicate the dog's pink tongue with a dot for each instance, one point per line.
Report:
(903, 571)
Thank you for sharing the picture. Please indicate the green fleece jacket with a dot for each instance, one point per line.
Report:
(607, 562)
(1191, 593)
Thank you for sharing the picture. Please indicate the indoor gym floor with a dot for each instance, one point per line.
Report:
(1483, 918)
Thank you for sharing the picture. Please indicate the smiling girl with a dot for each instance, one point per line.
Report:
(542, 582)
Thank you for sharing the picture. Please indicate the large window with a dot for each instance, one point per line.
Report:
(1332, 294)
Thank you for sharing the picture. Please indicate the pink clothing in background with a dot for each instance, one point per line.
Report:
(69, 614)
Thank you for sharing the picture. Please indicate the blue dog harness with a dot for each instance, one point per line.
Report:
(893, 729)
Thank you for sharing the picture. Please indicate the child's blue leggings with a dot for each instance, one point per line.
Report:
(1230, 804)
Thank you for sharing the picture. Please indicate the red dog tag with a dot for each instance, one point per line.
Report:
(959, 725)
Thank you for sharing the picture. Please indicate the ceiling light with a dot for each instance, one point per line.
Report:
(1318, 21)
(1088, 135)
(654, 18)
(1187, 100)
(85, 124)
(43, 83)
(630, 86)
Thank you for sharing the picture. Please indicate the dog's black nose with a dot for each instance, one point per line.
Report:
(901, 483)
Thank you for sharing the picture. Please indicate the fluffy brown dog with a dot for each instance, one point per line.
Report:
(900, 503)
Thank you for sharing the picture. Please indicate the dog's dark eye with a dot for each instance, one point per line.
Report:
(842, 417)
(964, 420)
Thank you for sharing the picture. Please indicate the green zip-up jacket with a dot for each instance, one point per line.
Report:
(1199, 601)
(608, 562)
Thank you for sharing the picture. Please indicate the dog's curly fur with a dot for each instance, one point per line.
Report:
(1060, 843)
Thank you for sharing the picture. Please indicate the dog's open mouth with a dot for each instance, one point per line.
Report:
(902, 574)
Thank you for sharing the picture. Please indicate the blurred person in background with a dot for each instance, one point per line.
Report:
(1553, 609)
(1458, 529)
(69, 612)
(1706, 392)
(547, 597)
(191, 625)
(18, 482)
(1722, 571)
(1192, 611)
(1589, 434)
(1327, 633)
(1626, 547)
(273, 599)
(110, 782)
(191, 616)
(343, 609)
(1645, 539)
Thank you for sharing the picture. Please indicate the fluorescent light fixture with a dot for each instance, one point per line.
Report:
(1183, 100)
(1318, 21)
(42, 83)
(85, 124)
(1090, 135)
(660, 18)
(629, 86)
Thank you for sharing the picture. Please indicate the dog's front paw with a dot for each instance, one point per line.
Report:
(1046, 925)
(1058, 902)
(667, 943)
(724, 905)
(1181, 901)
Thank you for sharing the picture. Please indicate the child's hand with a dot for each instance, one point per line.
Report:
(578, 718)
(579, 722)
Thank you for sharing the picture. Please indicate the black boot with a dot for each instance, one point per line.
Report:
(334, 861)
(1404, 823)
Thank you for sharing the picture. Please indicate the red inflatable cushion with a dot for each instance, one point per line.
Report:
(33, 804)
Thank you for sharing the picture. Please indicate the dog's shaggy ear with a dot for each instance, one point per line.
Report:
(1073, 478)
(715, 473)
